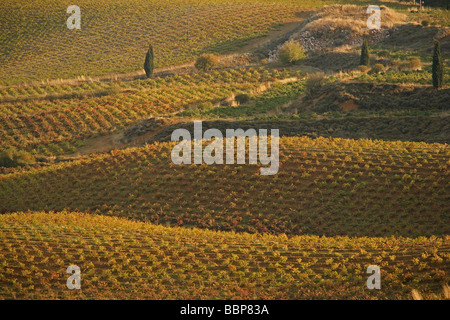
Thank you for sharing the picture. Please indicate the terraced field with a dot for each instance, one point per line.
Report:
(121, 259)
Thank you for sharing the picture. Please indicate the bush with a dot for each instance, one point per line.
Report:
(205, 106)
(384, 54)
(206, 62)
(425, 23)
(113, 90)
(13, 158)
(396, 65)
(291, 52)
(242, 98)
(413, 63)
(314, 83)
(363, 69)
(377, 68)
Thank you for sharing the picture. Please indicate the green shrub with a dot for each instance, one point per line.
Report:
(113, 90)
(242, 98)
(377, 68)
(363, 69)
(206, 62)
(291, 52)
(314, 83)
(396, 65)
(413, 63)
(14, 158)
(384, 54)
(205, 106)
(425, 23)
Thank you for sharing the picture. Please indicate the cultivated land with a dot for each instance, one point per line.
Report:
(323, 187)
(364, 157)
(121, 259)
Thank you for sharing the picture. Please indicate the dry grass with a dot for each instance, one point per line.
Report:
(350, 17)
(416, 295)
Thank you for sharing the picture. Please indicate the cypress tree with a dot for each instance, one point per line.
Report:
(438, 66)
(148, 64)
(364, 53)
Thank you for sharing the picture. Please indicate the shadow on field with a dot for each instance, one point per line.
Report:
(410, 128)
(418, 38)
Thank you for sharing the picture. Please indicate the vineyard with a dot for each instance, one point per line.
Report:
(56, 119)
(114, 36)
(87, 176)
(121, 259)
(324, 186)
(66, 114)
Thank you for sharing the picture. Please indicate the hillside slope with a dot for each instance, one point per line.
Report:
(115, 34)
(120, 259)
(325, 186)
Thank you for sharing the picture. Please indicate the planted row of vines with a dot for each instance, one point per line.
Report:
(56, 126)
(325, 186)
(121, 259)
(114, 34)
